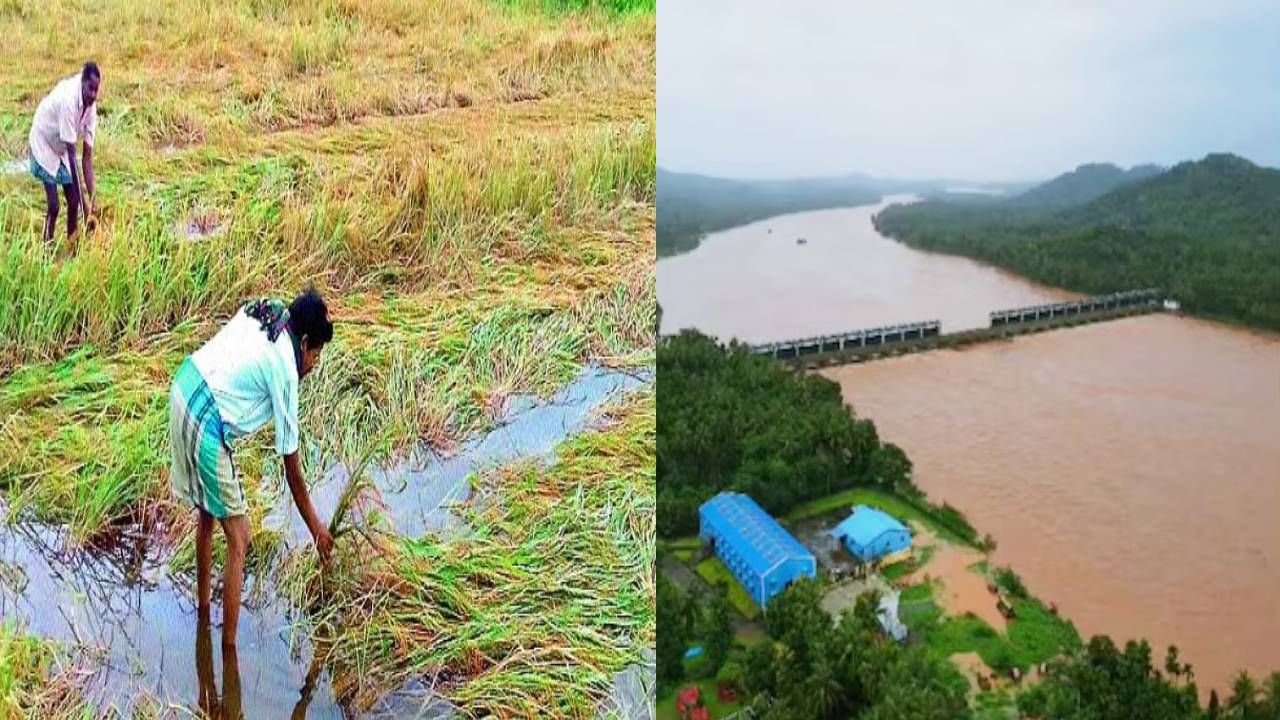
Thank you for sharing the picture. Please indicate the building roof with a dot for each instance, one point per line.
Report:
(866, 524)
(763, 542)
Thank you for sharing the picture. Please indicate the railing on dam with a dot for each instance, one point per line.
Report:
(1113, 301)
(871, 337)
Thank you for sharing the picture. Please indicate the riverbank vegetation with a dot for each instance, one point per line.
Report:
(691, 206)
(1206, 232)
(732, 420)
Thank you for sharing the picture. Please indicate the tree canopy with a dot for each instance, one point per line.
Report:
(1206, 232)
(732, 420)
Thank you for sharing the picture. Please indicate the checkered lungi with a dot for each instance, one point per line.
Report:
(202, 471)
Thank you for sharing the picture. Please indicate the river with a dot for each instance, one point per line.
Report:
(758, 284)
(1129, 470)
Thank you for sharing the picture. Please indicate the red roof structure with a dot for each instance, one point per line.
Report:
(689, 702)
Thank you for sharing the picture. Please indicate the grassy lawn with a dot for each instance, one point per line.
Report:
(684, 556)
(888, 502)
(667, 705)
(714, 572)
(1033, 637)
(902, 568)
(683, 543)
(917, 593)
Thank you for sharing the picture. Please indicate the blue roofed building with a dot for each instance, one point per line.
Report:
(871, 534)
(760, 553)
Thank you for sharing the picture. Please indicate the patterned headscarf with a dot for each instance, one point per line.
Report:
(273, 318)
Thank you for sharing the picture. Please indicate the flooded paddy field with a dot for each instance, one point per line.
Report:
(479, 216)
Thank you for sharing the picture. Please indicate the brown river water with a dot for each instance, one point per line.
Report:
(1129, 470)
(757, 284)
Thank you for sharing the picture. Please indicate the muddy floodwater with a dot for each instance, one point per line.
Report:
(140, 617)
(1129, 470)
(758, 284)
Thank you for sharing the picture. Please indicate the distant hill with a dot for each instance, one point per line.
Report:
(1207, 232)
(1083, 184)
(690, 206)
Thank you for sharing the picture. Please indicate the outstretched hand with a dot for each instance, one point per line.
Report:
(324, 544)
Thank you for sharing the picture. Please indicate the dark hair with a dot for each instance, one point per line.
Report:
(308, 315)
(90, 70)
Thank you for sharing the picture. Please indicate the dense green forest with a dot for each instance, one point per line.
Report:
(729, 419)
(1206, 232)
(814, 671)
(806, 670)
(690, 206)
(1102, 682)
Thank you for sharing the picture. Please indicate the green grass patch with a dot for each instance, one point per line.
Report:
(903, 568)
(997, 704)
(1039, 634)
(683, 543)
(684, 556)
(714, 572)
(898, 570)
(31, 683)
(559, 7)
(916, 593)
(919, 616)
(1034, 636)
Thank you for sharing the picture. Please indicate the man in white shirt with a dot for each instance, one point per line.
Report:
(244, 377)
(66, 115)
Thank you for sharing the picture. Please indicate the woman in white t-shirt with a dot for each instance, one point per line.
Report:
(68, 114)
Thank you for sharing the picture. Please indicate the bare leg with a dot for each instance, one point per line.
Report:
(204, 562)
(236, 529)
(72, 194)
(231, 709)
(51, 210)
(208, 691)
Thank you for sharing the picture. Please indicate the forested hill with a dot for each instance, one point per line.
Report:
(690, 206)
(1083, 184)
(1206, 232)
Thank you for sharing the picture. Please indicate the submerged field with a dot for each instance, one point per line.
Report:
(472, 187)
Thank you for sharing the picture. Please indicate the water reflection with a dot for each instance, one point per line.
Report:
(117, 593)
(227, 705)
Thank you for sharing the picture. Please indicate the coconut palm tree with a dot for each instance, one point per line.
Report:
(1244, 697)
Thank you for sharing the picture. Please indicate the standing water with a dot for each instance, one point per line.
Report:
(1128, 470)
(126, 603)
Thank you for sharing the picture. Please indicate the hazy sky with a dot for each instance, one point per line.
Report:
(976, 90)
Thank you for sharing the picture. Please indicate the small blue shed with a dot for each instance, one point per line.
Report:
(760, 553)
(870, 534)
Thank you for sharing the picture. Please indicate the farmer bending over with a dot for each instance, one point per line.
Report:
(65, 115)
(245, 376)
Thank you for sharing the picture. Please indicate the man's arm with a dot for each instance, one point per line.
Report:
(298, 488)
(71, 162)
(88, 175)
